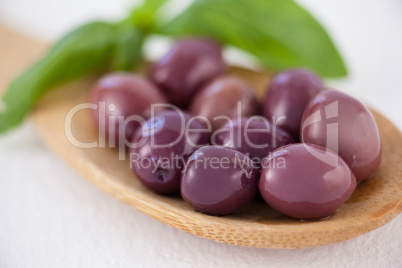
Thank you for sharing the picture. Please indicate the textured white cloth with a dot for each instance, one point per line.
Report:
(52, 217)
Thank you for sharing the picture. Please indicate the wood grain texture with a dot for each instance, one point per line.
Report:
(374, 203)
(17, 51)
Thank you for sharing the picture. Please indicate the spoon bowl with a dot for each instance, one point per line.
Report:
(374, 203)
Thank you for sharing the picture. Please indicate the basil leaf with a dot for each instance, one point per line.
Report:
(280, 33)
(128, 47)
(144, 16)
(84, 50)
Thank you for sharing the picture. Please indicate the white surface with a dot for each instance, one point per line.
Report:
(51, 217)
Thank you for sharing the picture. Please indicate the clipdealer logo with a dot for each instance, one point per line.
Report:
(114, 125)
(152, 125)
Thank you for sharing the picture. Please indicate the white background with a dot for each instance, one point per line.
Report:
(51, 217)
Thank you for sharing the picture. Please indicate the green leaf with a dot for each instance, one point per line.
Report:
(128, 47)
(84, 50)
(144, 16)
(281, 34)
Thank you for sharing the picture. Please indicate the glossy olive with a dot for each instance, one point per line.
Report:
(118, 96)
(162, 146)
(287, 97)
(254, 136)
(223, 98)
(219, 180)
(305, 181)
(346, 126)
(189, 64)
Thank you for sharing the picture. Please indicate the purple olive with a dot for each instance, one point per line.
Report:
(254, 136)
(305, 181)
(346, 126)
(287, 97)
(188, 65)
(219, 180)
(223, 98)
(162, 147)
(118, 96)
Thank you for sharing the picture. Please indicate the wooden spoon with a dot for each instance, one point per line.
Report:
(374, 203)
